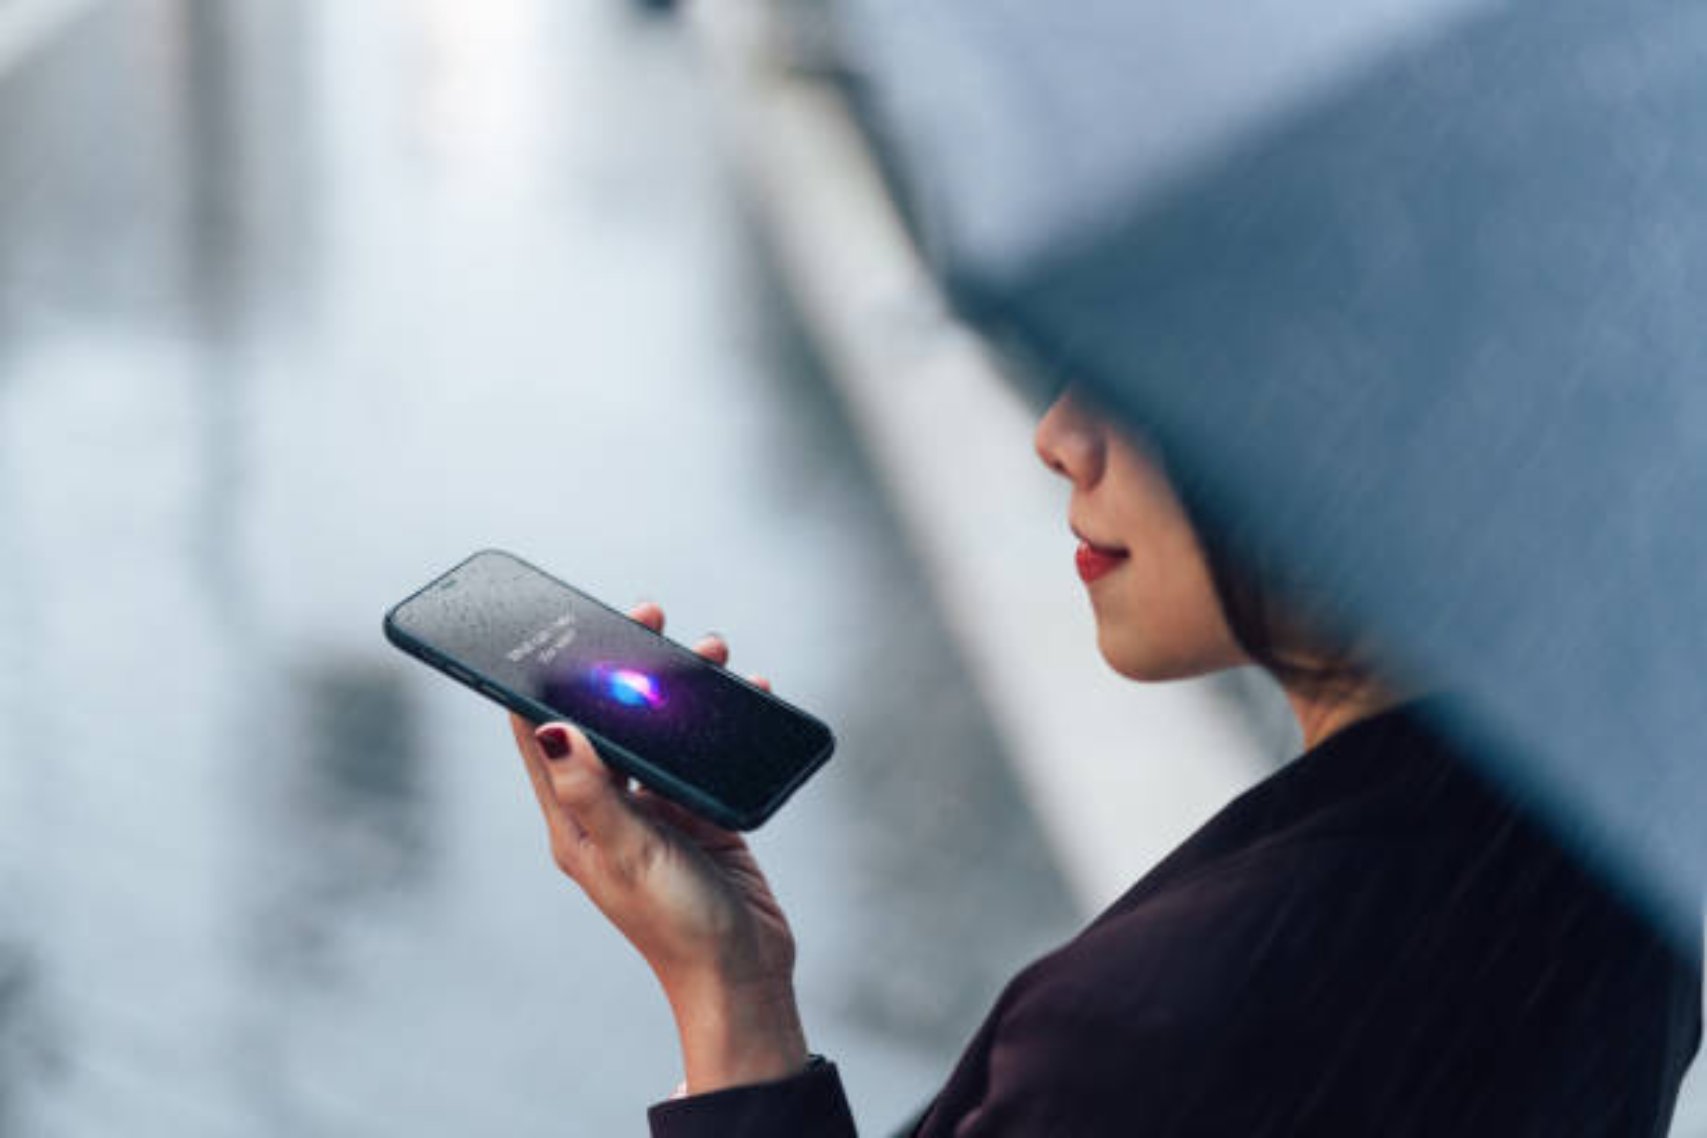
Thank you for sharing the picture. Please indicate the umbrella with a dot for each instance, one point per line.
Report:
(1414, 289)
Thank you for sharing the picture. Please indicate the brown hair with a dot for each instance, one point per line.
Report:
(1293, 636)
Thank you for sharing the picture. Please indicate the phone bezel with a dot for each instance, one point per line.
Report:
(656, 778)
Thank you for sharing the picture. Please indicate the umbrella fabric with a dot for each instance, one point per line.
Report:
(1414, 295)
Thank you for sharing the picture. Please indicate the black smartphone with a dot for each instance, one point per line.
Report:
(682, 726)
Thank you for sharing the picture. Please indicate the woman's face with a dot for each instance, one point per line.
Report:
(1157, 614)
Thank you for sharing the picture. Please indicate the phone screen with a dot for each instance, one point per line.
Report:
(686, 727)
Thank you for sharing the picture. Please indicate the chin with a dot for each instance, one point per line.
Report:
(1138, 662)
(1153, 663)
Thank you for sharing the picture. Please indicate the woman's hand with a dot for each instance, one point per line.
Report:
(687, 894)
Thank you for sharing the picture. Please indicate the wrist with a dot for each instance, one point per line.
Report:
(737, 1035)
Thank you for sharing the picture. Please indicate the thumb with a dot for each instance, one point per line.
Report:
(589, 790)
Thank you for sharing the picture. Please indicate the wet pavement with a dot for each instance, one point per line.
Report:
(298, 304)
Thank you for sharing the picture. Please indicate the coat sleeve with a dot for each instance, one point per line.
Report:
(1157, 1027)
(811, 1102)
(1055, 1070)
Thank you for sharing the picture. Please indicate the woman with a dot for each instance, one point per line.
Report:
(1372, 941)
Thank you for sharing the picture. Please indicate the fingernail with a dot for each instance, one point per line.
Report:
(553, 740)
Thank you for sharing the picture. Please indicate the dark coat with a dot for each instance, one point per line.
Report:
(1374, 940)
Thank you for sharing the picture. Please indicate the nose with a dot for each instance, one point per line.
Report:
(1070, 442)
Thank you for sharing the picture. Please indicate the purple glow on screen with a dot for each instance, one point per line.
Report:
(636, 689)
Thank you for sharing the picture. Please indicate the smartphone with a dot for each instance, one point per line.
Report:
(682, 726)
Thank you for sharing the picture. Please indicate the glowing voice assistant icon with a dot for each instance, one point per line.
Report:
(631, 688)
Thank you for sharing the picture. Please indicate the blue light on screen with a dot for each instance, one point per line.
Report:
(632, 688)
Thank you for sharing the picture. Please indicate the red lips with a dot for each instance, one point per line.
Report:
(1094, 561)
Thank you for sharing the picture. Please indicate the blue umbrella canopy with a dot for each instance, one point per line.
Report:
(1414, 293)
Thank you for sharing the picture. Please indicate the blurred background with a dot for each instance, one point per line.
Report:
(300, 302)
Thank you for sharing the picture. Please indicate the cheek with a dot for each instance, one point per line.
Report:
(1161, 620)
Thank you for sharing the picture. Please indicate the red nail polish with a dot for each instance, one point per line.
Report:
(553, 740)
